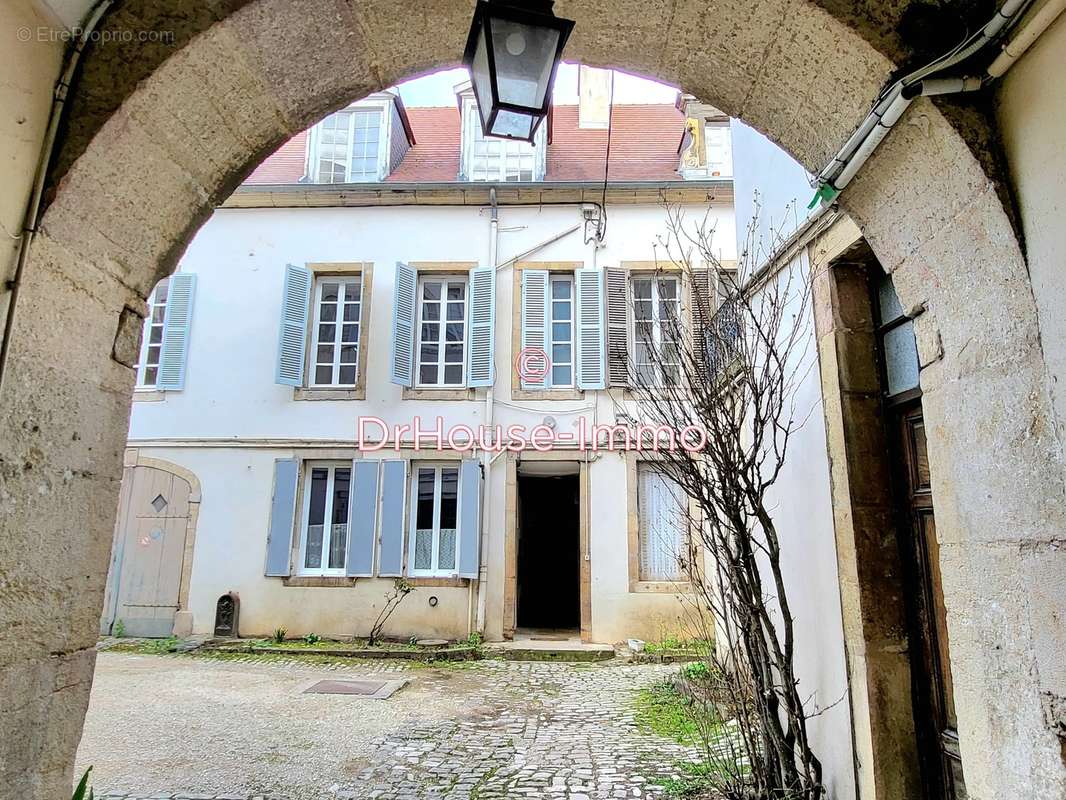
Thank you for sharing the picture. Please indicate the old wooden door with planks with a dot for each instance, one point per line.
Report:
(149, 550)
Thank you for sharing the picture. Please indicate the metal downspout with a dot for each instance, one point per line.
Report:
(486, 457)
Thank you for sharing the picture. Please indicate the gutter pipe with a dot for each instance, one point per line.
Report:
(1029, 32)
(31, 219)
(888, 109)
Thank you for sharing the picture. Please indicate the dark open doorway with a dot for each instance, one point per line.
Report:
(548, 592)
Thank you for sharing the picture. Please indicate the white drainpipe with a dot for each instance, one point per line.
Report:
(1030, 31)
(894, 101)
(486, 457)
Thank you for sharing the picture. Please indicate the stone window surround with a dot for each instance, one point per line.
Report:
(340, 269)
(446, 393)
(309, 455)
(647, 268)
(517, 392)
(636, 585)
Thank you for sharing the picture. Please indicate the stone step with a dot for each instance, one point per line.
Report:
(528, 650)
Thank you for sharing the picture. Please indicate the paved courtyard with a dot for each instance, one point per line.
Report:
(193, 727)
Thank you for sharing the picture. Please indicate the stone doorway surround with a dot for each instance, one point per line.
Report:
(158, 135)
(183, 621)
(868, 557)
(510, 539)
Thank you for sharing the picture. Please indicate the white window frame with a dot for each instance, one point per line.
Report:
(343, 281)
(723, 163)
(568, 278)
(383, 109)
(327, 529)
(657, 321)
(472, 131)
(146, 336)
(445, 280)
(683, 526)
(412, 493)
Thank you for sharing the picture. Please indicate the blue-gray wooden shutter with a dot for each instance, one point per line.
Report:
(701, 319)
(479, 370)
(535, 319)
(590, 334)
(469, 517)
(393, 494)
(617, 285)
(282, 517)
(174, 352)
(292, 332)
(362, 519)
(403, 325)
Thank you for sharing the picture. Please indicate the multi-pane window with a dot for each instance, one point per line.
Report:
(325, 528)
(335, 332)
(347, 146)
(152, 338)
(657, 328)
(500, 160)
(442, 331)
(719, 145)
(663, 520)
(562, 330)
(435, 516)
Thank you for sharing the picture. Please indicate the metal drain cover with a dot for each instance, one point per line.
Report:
(374, 689)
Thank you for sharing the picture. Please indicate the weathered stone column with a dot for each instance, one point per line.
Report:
(63, 417)
(937, 224)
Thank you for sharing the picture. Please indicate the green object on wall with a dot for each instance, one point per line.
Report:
(826, 193)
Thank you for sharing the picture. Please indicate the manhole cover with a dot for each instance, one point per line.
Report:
(379, 690)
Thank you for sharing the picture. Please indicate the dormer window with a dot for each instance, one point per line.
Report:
(498, 160)
(718, 146)
(706, 148)
(352, 145)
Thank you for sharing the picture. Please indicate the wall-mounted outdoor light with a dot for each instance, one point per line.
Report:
(512, 53)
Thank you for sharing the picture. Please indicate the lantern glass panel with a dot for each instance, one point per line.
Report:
(513, 125)
(524, 56)
(481, 78)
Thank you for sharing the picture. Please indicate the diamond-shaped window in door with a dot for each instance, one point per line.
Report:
(159, 503)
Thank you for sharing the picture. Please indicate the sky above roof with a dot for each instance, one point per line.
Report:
(438, 89)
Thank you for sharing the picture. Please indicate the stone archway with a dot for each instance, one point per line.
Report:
(143, 170)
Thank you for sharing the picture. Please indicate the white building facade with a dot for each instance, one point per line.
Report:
(313, 330)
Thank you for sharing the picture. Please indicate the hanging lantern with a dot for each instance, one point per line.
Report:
(512, 53)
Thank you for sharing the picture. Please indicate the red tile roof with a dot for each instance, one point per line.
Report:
(286, 165)
(643, 145)
(435, 156)
(644, 141)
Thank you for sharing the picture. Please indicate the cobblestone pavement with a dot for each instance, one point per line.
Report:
(492, 729)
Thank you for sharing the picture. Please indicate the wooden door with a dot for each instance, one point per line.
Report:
(149, 547)
(934, 703)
